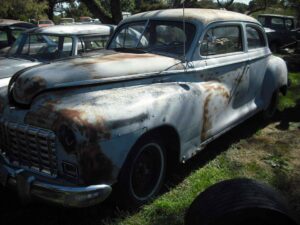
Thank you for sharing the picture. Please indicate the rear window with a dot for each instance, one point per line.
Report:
(255, 38)
(277, 23)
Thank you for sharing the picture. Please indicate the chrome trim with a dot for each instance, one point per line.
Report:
(29, 188)
(29, 147)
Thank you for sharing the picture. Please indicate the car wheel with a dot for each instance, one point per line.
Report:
(239, 202)
(142, 175)
(270, 111)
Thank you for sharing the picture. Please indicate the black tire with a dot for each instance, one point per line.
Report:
(271, 110)
(142, 175)
(239, 202)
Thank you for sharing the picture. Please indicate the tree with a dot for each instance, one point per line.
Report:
(51, 6)
(258, 5)
(108, 11)
(76, 10)
(238, 7)
(22, 10)
(225, 3)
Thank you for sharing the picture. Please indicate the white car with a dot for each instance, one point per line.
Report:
(72, 131)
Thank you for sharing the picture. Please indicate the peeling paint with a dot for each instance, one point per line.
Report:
(95, 167)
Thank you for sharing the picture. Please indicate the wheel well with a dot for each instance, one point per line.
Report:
(170, 138)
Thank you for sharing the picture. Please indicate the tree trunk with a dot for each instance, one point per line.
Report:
(99, 12)
(115, 8)
(50, 10)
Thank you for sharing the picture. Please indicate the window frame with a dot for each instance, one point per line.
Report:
(223, 24)
(258, 28)
(190, 51)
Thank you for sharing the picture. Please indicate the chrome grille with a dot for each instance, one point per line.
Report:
(29, 147)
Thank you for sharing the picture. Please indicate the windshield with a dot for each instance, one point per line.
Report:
(40, 47)
(157, 36)
(92, 43)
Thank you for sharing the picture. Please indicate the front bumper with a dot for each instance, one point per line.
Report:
(29, 187)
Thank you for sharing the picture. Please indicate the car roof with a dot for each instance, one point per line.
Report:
(205, 16)
(15, 23)
(277, 15)
(75, 29)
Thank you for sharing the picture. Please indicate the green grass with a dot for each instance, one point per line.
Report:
(265, 156)
(293, 95)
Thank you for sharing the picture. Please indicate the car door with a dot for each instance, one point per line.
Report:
(258, 53)
(226, 77)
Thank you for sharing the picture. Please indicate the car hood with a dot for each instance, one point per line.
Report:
(9, 66)
(106, 66)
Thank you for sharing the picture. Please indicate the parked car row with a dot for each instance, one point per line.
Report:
(49, 44)
(73, 130)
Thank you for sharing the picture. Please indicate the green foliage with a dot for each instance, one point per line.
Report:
(22, 10)
(128, 5)
(238, 7)
(77, 10)
(293, 95)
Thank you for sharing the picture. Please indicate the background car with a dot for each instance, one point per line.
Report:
(281, 30)
(47, 44)
(67, 21)
(45, 23)
(10, 31)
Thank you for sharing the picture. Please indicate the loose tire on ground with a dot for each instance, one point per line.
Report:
(143, 174)
(239, 202)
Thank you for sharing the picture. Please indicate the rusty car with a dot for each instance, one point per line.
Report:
(48, 44)
(75, 132)
(10, 30)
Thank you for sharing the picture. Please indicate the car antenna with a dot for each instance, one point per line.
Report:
(183, 22)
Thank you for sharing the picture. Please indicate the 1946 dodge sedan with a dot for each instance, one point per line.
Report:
(73, 131)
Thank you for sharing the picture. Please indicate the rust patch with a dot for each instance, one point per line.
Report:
(34, 85)
(219, 89)
(113, 57)
(213, 90)
(95, 166)
(74, 118)
(206, 120)
(47, 117)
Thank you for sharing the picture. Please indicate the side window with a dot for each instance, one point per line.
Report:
(289, 24)
(67, 47)
(3, 37)
(222, 40)
(16, 33)
(277, 23)
(255, 38)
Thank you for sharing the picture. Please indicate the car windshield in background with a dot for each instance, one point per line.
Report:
(91, 43)
(40, 47)
(157, 36)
